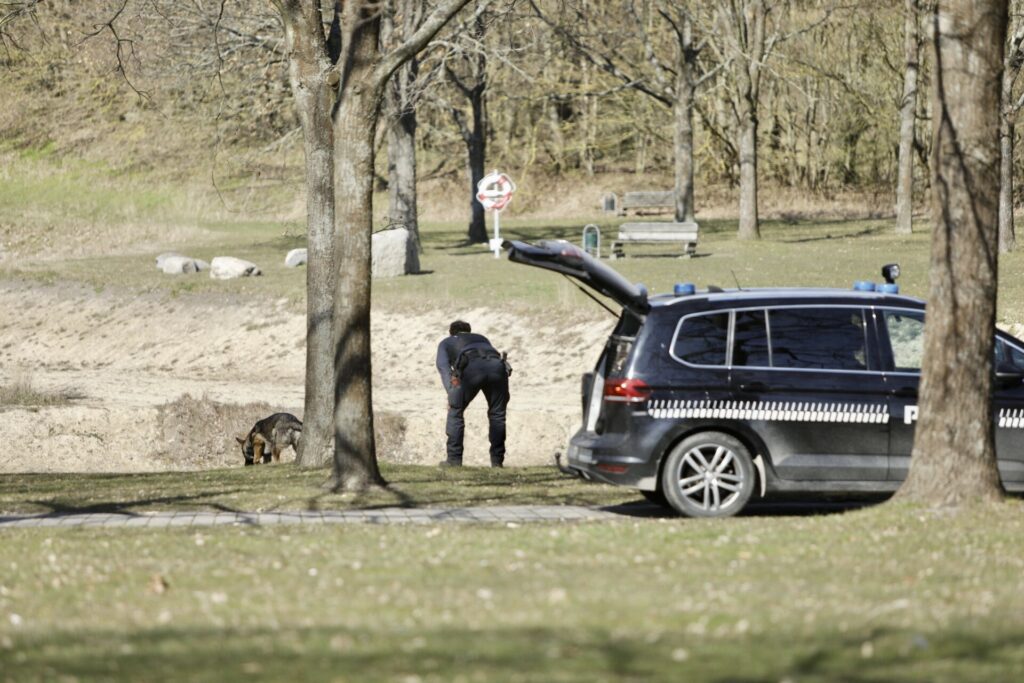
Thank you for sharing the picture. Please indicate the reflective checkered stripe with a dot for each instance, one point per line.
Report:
(1011, 419)
(770, 410)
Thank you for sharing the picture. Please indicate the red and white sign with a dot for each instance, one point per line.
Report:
(494, 191)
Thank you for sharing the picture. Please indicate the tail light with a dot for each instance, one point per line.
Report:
(626, 390)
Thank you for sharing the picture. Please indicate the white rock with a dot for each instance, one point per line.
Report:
(201, 265)
(163, 257)
(394, 253)
(295, 257)
(229, 267)
(178, 265)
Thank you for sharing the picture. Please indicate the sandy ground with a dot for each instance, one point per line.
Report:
(131, 361)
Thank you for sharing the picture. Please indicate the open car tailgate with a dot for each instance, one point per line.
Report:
(568, 259)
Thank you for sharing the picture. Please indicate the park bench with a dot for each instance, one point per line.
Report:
(684, 233)
(640, 202)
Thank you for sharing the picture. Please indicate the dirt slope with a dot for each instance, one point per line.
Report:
(132, 359)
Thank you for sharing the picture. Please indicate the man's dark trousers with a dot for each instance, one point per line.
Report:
(489, 375)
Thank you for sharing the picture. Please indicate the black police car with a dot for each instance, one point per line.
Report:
(705, 399)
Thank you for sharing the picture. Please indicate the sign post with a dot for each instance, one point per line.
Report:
(494, 192)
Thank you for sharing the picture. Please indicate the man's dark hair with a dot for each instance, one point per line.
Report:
(458, 327)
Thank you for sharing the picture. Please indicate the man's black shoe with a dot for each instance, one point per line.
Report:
(448, 463)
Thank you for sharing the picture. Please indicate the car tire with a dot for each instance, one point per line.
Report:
(709, 474)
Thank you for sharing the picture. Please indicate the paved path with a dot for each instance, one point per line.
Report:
(495, 515)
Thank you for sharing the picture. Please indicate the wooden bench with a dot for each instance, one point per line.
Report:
(640, 202)
(685, 233)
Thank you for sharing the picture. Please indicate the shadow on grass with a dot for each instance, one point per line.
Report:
(643, 509)
(58, 508)
(866, 232)
(493, 652)
(287, 488)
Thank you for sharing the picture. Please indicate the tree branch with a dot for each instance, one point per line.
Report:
(418, 40)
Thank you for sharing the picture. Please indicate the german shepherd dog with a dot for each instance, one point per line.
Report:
(278, 432)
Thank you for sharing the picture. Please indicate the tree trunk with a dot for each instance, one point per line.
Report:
(308, 69)
(954, 460)
(355, 123)
(749, 224)
(399, 20)
(682, 114)
(743, 25)
(1013, 60)
(402, 206)
(908, 114)
(589, 127)
(476, 148)
(1007, 233)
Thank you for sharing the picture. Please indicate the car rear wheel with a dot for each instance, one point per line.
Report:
(708, 475)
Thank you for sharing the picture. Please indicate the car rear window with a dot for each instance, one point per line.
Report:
(818, 338)
(702, 339)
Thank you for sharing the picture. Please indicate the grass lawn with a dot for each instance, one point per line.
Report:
(53, 198)
(888, 593)
(812, 253)
(286, 487)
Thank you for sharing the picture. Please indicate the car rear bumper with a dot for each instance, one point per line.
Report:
(612, 459)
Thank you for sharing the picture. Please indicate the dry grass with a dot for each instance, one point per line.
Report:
(21, 392)
(199, 433)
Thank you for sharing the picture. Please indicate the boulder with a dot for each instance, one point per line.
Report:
(229, 267)
(164, 256)
(201, 265)
(178, 265)
(394, 253)
(295, 258)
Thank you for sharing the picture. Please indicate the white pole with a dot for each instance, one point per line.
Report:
(497, 234)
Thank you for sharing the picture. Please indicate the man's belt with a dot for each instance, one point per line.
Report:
(474, 354)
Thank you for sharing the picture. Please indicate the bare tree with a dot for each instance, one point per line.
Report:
(908, 116)
(1011, 107)
(12, 12)
(746, 35)
(338, 372)
(634, 53)
(401, 18)
(310, 63)
(466, 69)
(954, 460)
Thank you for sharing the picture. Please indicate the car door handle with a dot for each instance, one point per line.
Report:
(754, 387)
(905, 392)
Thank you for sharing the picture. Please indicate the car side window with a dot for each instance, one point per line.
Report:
(1009, 358)
(750, 340)
(818, 338)
(906, 337)
(701, 339)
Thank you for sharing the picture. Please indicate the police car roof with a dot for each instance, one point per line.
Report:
(772, 295)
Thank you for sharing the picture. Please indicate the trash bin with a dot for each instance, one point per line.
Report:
(592, 240)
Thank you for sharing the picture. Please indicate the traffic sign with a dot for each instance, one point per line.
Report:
(494, 192)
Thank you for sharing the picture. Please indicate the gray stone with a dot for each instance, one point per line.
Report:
(295, 258)
(229, 267)
(201, 265)
(178, 265)
(164, 256)
(394, 253)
